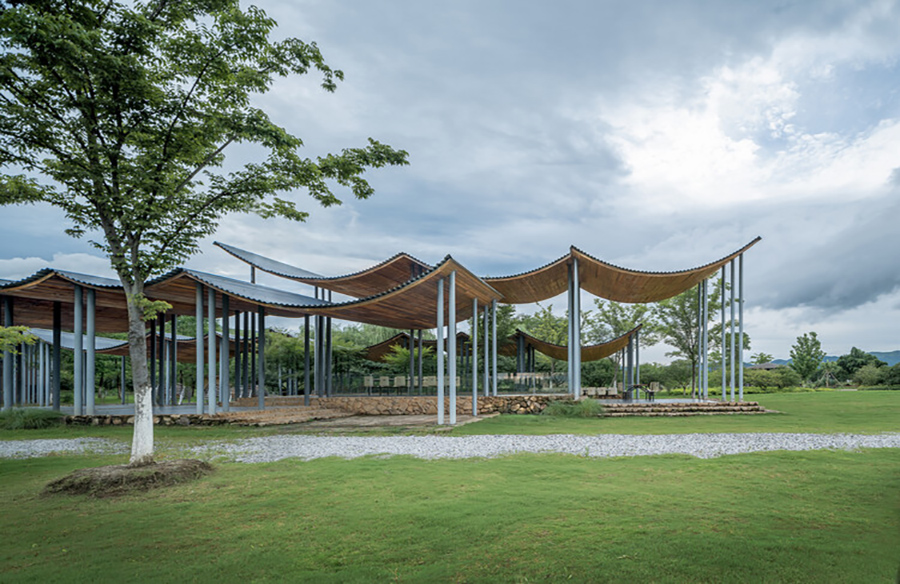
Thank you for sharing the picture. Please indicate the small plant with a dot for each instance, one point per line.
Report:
(29, 419)
(585, 408)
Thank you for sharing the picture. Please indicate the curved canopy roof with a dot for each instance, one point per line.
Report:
(561, 352)
(179, 288)
(604, 280)
(413, 305)
(34, 296)
(374, 280)
(378, 351)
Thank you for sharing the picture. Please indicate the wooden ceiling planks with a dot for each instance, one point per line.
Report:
(414, 304)
(632, 286)
(186, 350)
(604, 280)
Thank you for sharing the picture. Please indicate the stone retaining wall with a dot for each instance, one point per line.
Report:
(417, 405)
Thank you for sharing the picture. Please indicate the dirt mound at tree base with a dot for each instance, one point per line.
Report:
(117, 480)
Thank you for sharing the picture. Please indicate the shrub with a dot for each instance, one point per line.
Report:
(29, 419)
(585, 408)
(892, 376)
(869, 375)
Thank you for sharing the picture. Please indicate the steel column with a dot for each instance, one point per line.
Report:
(122, 378)
(731, 349)
(474, 356)
(494, 347)
(224, 356)
(487, 345)
(411, 345)
(741, 327)
(261, 390)
(198, 340)
(421, 369)
(451, 341)
(57, 353)
(8, 356)
(306, 360)
(91, 357)
(576, 327)
(211, 341)
(722, 302)
(79, 350)
(440, 352)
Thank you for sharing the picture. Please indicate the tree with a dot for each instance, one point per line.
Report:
(855, 360)
(12, 337)
(761, 358)
(120, 114)
(546, 326)
(614, 319)
(806, 356)
(870, 375)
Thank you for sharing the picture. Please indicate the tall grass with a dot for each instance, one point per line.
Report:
(29, 419)
(585, 408)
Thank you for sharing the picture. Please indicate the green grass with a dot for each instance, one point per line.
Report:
(869, 412)
(768, 517)
(29, 419)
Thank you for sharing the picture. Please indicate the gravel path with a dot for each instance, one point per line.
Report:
(431, 447)
(34, 448)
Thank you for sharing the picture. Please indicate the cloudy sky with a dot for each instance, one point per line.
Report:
(655, 135)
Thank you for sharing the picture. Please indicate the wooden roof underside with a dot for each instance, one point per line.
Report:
(561, 352)
(414, 304)
(604, 280)
(379, 351)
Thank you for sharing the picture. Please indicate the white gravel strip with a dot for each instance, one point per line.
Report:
(307, 447)
(43, 447)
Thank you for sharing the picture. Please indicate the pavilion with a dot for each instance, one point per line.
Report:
(402, 292)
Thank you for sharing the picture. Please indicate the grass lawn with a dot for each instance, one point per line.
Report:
(864, 412)
(766, 517)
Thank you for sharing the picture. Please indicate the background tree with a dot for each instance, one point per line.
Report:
(614, 319)
(546, 326)
(870, 375)
(807, 356)
(120, 114)
(761, 358)
(13, 337)
(855, 360)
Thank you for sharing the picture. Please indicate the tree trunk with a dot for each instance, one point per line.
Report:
(142, 440)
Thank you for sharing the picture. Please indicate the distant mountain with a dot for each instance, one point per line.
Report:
(891, 358)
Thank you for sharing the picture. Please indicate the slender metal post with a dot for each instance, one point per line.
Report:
(306, 360)
(474, 356)
(494, 347)
(91, 358)
(261, 391)
(174, 359)
(410, 345)
(570, 342)
(440, 352)
(637, 357)
(451, 341)
(122, 378)
(722, 302)
(421, 366)
(211, 341)
(705, 339)
(741, 327)
(329, 355)
(79, 349)
(245, 369)
(8, 356)
(57, 352)
(252, 390)
(487, 344)
(731, 349)
(198, 346)
(238, 358)
(576, 327)
(224, 354)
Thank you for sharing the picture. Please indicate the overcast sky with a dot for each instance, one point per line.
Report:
(654, 135)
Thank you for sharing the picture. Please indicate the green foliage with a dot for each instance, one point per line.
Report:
(584, 408)
(807, 356)
(29, 419)
(598, 373)
(614, 319)
(870, 375)
(892, 376)
(149, 308)
(397, 360)
(761, 358)
(12, 337)
(676, 374)
(778, 378)
(853, 361)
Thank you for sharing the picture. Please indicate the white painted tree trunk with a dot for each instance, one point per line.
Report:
(142, 440)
